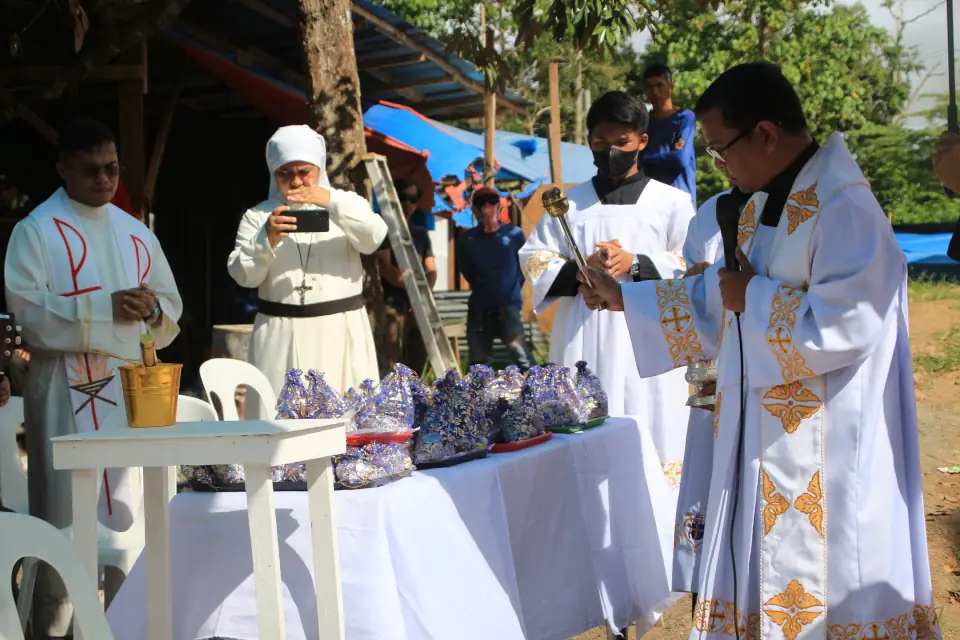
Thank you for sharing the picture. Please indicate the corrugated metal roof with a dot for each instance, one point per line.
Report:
(397, 61)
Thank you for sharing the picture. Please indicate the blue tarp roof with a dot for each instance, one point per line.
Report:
(452, 150)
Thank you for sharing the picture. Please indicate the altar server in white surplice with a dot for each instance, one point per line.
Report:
(84, 279)
(828, 534)
(634, 227)
(702, 248)
(311, 313)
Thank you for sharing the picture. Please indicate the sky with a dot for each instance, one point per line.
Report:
(928, 35)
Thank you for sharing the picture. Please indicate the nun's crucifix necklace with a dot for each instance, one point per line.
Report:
(303, 288)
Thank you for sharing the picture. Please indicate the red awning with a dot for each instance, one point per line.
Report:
(287, 106)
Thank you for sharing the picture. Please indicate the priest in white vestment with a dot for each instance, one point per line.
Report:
(310, 285)
(701, 249)
(84, 280)
(818, 483)
(635, 227)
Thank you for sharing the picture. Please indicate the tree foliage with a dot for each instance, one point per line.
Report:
(896, 161)
(852, 77)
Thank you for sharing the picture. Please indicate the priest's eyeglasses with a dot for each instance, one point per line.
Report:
(717, 153)
(92, 171)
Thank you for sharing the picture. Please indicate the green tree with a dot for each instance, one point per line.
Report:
(896, 161)
(849, 73)
(591, 66)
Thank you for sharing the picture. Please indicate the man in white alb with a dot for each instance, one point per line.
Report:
(701, 249)
(815, 523)
(85, 280)
(634, 227)
(311, 312)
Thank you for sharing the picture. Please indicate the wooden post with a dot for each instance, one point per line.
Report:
(156, 155)
(131, 140)
(556, 173)
(489, 137)
(489, 113)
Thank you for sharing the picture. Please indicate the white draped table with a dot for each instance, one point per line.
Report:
(540, 544)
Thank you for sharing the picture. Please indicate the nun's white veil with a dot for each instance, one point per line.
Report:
(297, 143)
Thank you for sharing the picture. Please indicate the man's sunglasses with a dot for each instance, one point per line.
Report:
(482, 202)
(92, 171)
(408, 198)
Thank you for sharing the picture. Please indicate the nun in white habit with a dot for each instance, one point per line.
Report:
(311, 313)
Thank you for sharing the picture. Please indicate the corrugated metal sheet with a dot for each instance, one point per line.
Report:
(420, 84)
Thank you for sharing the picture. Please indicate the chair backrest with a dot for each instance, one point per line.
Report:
(195, 410)
(222, 376)
(22, 536)
(13, 478)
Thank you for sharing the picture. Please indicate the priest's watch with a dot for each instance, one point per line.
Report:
(150, 319)
(635, 267)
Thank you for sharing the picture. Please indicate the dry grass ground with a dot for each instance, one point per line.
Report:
(935, 339)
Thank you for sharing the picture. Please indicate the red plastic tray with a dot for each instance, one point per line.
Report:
(360, 439)
(508, 447)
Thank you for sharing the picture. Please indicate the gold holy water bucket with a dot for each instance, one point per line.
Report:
(151, 394)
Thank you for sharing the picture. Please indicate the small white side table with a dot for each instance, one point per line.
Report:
(257, 445)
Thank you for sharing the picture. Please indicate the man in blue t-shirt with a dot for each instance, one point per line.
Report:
(487, 258)
(669, 156)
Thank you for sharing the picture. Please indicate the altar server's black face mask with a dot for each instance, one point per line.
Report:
(614, 162)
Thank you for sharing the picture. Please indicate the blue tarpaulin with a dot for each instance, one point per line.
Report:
(925, 248)
(451, 150)
(576, 160)
(447, 154)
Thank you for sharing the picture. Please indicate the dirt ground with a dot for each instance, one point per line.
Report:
(935, 340)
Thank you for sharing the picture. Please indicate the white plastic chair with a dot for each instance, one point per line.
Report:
(24, 537)
(118, 549)
(13, 478)
(222, 376)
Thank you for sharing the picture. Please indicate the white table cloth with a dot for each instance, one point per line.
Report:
(541, 544)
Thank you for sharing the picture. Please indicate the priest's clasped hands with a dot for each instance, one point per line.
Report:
(606, 292)
(134, 305)
(280, 226)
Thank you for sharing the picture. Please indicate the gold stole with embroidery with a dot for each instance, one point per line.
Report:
(793, 523)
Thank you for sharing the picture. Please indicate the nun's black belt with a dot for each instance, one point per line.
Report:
(316, 310)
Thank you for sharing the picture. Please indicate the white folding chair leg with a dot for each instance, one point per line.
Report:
(28, 581)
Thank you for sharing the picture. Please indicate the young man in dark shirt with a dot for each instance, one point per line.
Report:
(487, 258)
(404, 343)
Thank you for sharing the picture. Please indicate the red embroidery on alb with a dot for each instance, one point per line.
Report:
(137, 243)
(74, 266)
(96, 426)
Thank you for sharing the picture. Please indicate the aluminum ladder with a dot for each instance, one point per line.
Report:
(418, 289)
